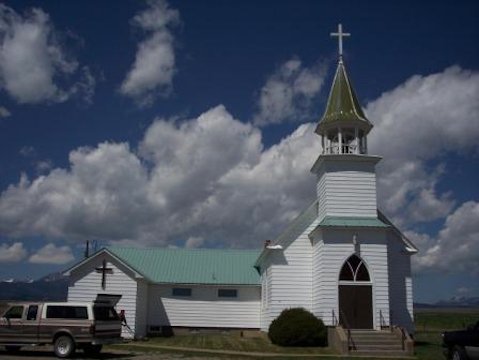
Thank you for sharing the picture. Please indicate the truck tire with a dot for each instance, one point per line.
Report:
(64, 346)
(458, 353)
(92, 350)
(12, 348)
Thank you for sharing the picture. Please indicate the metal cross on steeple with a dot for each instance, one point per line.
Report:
(340, 35)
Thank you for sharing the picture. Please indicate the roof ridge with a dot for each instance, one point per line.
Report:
(180, 249)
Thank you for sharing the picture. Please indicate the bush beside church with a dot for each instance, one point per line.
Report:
(297, 327)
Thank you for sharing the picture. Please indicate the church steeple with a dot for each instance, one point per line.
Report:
(343, 127)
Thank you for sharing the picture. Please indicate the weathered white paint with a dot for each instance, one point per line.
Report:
(204, 308)
(85, 285)
(401, 284)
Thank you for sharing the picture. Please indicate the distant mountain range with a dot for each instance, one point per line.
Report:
(53, 287)
(454, 302)
(459, 301)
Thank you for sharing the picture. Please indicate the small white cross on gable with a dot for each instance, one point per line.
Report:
(340, 34)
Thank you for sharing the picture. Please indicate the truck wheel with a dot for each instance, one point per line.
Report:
(92, 350)
(12, 348)
(64, 346)
(458, 353)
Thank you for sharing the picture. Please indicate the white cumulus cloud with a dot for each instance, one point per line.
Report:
(211, 178)
(289, 92)
(456, 247)
(177, 186)
(52, 254)
(418, 121)
(151, 74)
(12, 253)
(32, 60)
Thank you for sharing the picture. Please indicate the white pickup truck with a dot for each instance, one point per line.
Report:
(66, 325)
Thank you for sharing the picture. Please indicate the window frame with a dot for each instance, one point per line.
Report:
(233, 293)
(182, 292)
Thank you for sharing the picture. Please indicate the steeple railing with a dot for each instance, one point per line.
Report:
(345, 149)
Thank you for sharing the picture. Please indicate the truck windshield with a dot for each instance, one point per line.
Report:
(105, 313)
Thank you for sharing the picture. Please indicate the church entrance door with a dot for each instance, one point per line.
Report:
(355, 306)
(355, 294)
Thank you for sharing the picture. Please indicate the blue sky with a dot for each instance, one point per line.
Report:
(187, 123)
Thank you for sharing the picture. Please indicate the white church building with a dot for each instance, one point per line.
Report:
(341, 258)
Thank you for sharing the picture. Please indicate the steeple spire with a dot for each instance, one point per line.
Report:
(344, 125)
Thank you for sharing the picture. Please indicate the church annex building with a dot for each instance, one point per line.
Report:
(341, 258)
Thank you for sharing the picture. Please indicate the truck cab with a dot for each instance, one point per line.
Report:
(66, 325)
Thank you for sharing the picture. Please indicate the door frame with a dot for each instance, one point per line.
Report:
(352, 283)
(358, 283)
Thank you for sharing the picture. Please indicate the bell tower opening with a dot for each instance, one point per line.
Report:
(346, 140)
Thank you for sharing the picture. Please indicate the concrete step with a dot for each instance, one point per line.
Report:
(375, 336)
(378, 342)
(379, 347)
(370, 332)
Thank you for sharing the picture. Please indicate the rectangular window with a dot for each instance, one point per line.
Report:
(67, 312)
(227, 293)
(181, 291)
(32, 312)
(15, 312)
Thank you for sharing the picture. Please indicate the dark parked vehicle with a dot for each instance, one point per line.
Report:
(462, 344)
(66, 325)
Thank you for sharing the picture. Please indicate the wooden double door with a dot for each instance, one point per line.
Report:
(356, 306)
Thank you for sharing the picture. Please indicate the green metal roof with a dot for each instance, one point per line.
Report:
(343, 105)
(342, 221)
(192, 266)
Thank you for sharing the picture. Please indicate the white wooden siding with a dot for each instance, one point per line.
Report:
(321, 193)
(347, 188)
(266, 309)
(329, 258)
(290, 277)
(204, 308)
(401, 284)
(85, 284)
(376, 257)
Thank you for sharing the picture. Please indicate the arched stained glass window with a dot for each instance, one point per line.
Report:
(354, 270)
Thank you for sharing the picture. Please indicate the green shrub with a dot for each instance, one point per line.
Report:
(297, 327)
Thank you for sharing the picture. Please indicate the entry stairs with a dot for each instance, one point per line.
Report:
(379, 343)
(393, 342)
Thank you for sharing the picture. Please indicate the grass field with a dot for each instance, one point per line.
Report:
(429, 326)
(234, 343)
(431, 323)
